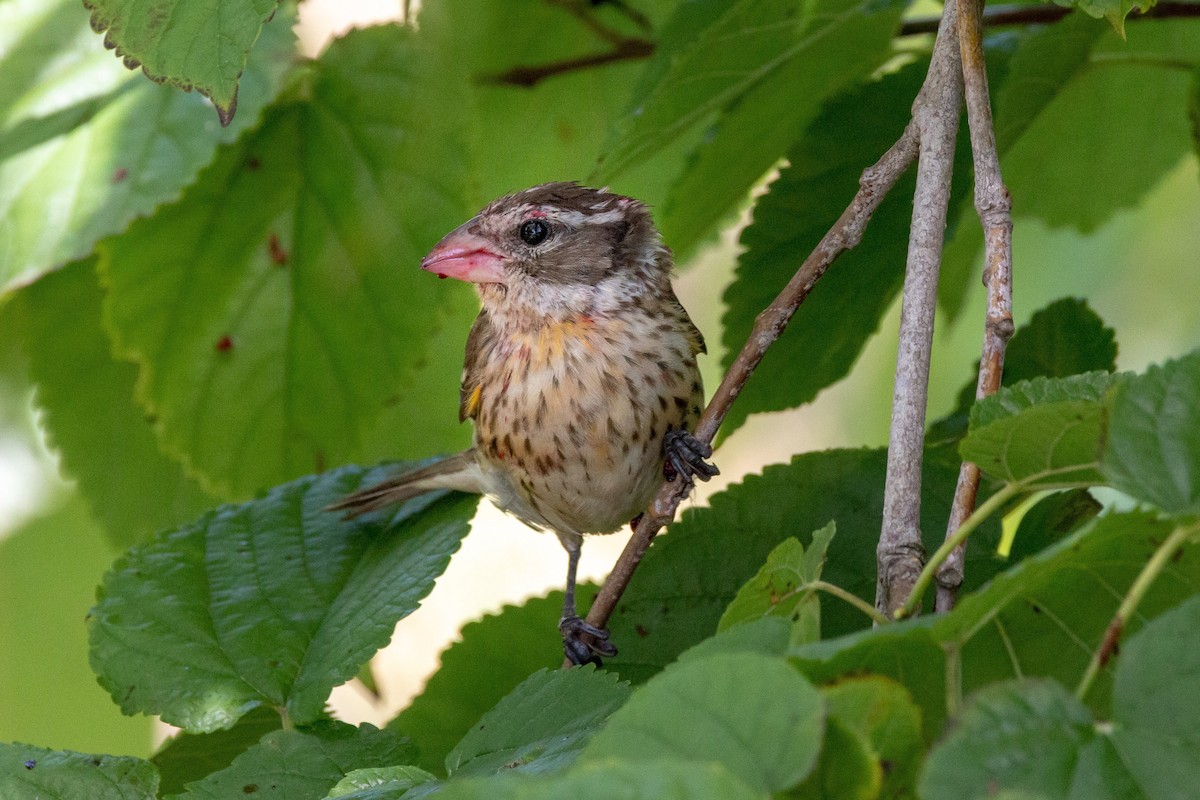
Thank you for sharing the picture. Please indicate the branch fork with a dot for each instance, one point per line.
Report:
(956, 72)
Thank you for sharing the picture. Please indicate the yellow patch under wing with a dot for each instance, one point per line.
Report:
(470, 406)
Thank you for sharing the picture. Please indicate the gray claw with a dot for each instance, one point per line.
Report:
(584, 643)
(686, 456)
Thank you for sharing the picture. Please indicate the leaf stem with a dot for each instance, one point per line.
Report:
(954, 695)
(849, 597)
(989, 507)
(1137, 591)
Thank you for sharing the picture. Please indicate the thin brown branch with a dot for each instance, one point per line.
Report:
(936, 111)
(1000, 16)
(528, 77)
(994, 206)
(875, 183)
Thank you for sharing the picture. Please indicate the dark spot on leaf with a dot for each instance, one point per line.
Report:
(253, 163)
(279, 256)
(250, 788)
(1036, 608)
(886, 766)
(641, 631)
(119, 175)
(30, 764)
(224, 344)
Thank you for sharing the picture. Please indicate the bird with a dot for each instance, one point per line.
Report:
(580, 374)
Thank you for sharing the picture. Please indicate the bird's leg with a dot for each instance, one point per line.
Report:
(685, 457)
(582, 642)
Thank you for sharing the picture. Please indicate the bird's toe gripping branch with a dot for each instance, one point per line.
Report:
(686, 456)
(584, 643)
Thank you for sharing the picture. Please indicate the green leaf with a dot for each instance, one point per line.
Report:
(753, 714)
(269, 352)
(883, 713)
(1021, 736)
(1156, 703)
(779, 588)
(1046, 431)
(846, 769)
(839, 44)
(1052, 518)
(768, 636)
(905, 652)
(541, 725)
(657, 780)
(380, 783)
(687, 580)
(188, 757)
(512, 644)
(1029, 621)
(32, 773)
(86, 146)
(845, 308)
(201, 46)
(1153, 450)
(1065, 338)
(272, 602)
(736, 51)
(87, 409)
(302, 764)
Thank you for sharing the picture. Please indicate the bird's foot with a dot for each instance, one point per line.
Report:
(685, 456)
(584, 643)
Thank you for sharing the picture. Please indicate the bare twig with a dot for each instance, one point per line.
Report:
(994, 206)
(900, 553)
(999, 16)
(877, 180)
(621, 47)
(623, 50)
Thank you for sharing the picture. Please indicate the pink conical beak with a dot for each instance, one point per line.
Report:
(465, 256)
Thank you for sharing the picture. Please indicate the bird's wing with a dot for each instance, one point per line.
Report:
(479, 341)
(694, 337)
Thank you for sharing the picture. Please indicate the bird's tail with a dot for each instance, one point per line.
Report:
(459, 472)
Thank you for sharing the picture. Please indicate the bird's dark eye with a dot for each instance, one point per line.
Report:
(534, 231)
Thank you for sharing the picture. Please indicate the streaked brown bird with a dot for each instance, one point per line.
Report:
(580, 373)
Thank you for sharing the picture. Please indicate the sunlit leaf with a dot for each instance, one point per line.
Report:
(268, 352)
(193, 45)
(269, 603)
(86, 146)
(88, 412)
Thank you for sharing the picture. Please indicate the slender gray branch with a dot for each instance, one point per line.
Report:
(994, 206)
(936, 111)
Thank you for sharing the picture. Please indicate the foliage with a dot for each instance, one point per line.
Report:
(221, 314)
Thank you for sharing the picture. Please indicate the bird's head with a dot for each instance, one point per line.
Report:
(559, 248)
